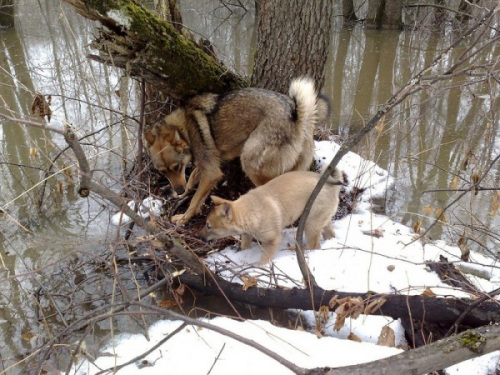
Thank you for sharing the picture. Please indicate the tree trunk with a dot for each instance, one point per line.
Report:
(380, 14)
(293, 39)
(146, 47)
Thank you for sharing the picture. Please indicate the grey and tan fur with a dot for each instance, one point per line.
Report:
(263, 212)
(270, 132)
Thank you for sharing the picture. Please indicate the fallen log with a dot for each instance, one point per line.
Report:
(429, 310)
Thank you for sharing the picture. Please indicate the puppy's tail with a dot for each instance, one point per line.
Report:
(304, 95)
(336, 178)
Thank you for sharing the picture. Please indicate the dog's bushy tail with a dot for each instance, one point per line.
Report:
(304, 95)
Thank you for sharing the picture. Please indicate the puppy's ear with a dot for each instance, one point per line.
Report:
(150, 138)
(227, 210)
(217, 201)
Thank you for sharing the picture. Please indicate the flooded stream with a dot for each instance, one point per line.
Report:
(438, 139)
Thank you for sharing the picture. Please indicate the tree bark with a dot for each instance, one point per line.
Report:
(146, 47)
(293, 39)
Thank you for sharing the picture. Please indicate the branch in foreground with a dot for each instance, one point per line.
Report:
(432, 357)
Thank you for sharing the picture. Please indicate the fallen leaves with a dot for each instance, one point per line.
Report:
(248, 282)
(41, 106)
(387, 337)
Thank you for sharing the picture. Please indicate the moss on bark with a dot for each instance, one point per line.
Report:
(137, 40)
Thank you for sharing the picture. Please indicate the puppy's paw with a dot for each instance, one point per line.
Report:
(264, 261)
(180, 219)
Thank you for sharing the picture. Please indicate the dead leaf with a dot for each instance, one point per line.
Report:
(180, 290)
(417, 226)
(353, 337)
(454, 182)
(475, 178)
(387, 337)
(468, 156)
(248, 282)
(27, 336)
(339, 322)
(59, 187)
(348, 307)
(41, 106)
(380, 125)
(429, 293)
(428, 209)
(374, 305)
(440, 215)
(157, 244)
(33, 152)
(495, 204)
(166, 303)
(333, 301)
(323, 314)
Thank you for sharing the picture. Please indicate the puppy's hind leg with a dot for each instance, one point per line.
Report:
(328, 231)
(313, 234)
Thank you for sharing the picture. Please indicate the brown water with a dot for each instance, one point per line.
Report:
(424, 143)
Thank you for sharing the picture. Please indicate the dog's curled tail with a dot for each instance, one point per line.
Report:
(304, 95)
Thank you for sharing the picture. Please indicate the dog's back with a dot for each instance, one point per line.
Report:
(238, 113)
(290, 193)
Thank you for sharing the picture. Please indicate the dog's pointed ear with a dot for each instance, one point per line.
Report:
(150, 138)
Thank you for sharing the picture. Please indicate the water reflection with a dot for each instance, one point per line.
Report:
(437, 139)
(44, 220)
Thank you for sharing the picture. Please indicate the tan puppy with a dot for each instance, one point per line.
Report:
(263, 212)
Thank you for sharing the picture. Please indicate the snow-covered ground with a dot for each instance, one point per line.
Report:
(370, 252)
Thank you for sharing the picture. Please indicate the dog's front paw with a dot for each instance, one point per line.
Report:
(179, 219)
